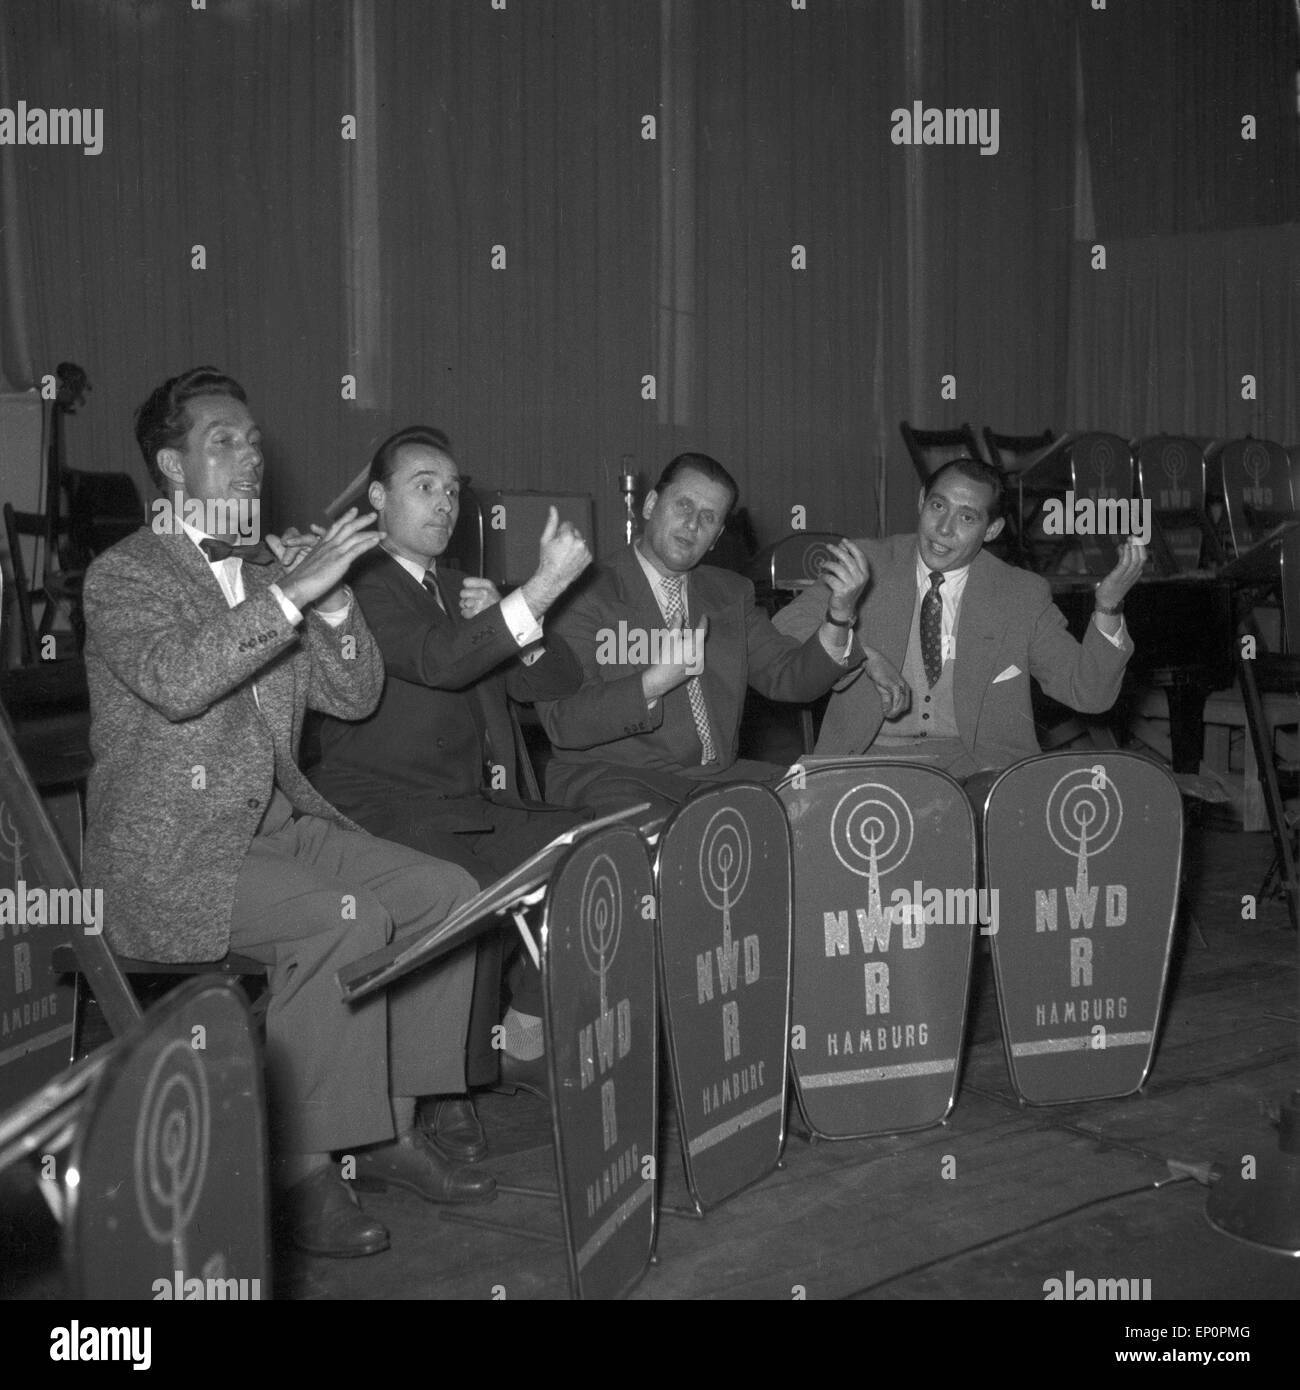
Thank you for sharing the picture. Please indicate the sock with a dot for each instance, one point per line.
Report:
(524, 1036)
(403, 1114)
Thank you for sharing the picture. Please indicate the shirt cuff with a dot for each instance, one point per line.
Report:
(291, 611)
(1116, 639)
(840, 658)
(518, 617)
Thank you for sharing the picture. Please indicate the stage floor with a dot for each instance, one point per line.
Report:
(1037, 1192)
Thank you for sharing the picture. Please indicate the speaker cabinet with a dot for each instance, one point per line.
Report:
(512, 524)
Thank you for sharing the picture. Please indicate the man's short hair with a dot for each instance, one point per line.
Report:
(163, 421)
(700, 463)
(978, 472)
(381, 466)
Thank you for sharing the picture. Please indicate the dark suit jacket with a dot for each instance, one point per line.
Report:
(1008, 628)
(438, 668)
(185, 761)
(607, 721)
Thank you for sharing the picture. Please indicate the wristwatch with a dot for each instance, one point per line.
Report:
(838, 622)
(1110, 612)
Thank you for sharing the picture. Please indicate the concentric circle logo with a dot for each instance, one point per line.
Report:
(871, 830)
(1083, 817)
(1255, 462)
(173, 1132)
(814, 559)
(1173, 462)
(600, 915)
(725, 857)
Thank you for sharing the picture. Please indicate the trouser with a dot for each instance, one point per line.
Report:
(511, 835)
(312, 898)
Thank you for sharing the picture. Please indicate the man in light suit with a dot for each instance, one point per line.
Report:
(206, 837)
(434, 766)
(659, 716)
(954, 634)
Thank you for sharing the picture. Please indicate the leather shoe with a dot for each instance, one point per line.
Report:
(520, 1075)
(413, 1163)
(324, 1218)
(454, 1128)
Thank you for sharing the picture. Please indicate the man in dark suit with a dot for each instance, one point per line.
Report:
(206, 837)
(434, 766)
(955, 634)
(668, 647)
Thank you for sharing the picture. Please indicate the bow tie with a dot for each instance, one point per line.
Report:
(259, 554)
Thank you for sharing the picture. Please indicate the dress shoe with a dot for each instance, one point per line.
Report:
(324, 1219)
(520, 1075)
(454, 1128)
(413, 1163)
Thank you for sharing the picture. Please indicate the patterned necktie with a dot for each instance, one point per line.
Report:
(676, 613)
(215, 550)
(430, 582)
(932, 629)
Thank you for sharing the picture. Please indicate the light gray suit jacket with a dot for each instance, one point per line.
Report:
(1008, 630)
(185, 760)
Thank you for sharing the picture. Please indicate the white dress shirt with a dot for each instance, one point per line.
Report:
(951, 591)
(230, 575)
(515, 612)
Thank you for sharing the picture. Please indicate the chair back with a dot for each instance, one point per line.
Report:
(1101, 470)
(931, 449)
(1171, 476)
(1258, 494)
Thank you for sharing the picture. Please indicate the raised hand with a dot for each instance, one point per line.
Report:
(664, 676)
(318, 574)
(1128, 569)
(292, 548)
(477, 595)
(562, 556)
(895, 693)
(845, 574)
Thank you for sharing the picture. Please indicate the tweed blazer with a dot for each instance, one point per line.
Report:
(437, 664)
(185, 759)
(607, 722)
(1008, 630)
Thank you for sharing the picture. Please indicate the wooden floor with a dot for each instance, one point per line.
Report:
(1037, 1191)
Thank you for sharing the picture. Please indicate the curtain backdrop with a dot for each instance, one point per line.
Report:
(1161, 339)
(621, 257)
(1168, 85)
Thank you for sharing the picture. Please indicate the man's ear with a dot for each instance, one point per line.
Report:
(920, 502)
(648, 506)
(376, 495)
(169, 465)
(995, 529)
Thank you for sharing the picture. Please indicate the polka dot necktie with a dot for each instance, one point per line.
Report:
(676, 612)
(932, 629)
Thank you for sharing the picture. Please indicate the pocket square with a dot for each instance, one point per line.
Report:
(1009, 674)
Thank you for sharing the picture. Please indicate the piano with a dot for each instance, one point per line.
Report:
(1183, 629)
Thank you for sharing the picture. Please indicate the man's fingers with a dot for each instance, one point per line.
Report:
(551, 527)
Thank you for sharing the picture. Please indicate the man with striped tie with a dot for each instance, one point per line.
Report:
(668, 647)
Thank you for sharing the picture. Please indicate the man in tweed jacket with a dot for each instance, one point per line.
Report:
(206, 837)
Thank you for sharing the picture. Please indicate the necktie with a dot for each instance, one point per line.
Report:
(676, 612)
(259, 554)
(932, 629)
(430, 582)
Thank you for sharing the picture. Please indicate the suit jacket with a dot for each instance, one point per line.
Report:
(438, 667)
(607, 722)
(185, 760)
(1007, 627)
